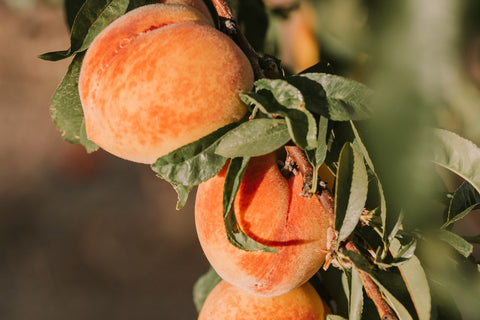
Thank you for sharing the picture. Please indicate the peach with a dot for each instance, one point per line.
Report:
(269, 209)
(158, 78)
(229, 302)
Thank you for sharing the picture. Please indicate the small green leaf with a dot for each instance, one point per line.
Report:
(465, 199)
(317, 156)
(66, 108)
(416, 281)
(237, 237)
(254, 138)
(203, 286)
(195, 162)
(91, 19)
(350, 191)
(356, 297)
(457, 242)
(346, 99)
(458, 155)
(278, 97)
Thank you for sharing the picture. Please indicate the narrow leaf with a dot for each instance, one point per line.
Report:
(66, 108)
(358, 143)
(465, 199)
(235, 235)
(356, 297)
(92, 18)
(457, 242)
(203, 286)
(334, 317)
(416, 281)
(254, 138)
(458, 155)
(350, 191)
(194, 163)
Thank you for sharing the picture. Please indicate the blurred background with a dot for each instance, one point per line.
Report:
(82, 236)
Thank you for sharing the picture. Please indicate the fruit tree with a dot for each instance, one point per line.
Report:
(333, 144)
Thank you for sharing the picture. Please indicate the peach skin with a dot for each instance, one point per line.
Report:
(158, 78)
(229, 302)
(269, 209)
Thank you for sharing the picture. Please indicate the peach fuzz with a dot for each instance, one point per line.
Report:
(269, 209)
(229, 302)
(158, 78)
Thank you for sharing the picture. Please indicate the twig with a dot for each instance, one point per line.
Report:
(372, 289)
(295, 154)
(229, 25)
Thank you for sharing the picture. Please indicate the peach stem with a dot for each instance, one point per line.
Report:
(296, 155)
(230, 26)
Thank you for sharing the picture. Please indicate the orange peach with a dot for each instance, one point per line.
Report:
(229, 302)
(269, 209)
(158, 78)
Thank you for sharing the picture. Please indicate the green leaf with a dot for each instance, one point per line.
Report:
(334, 317)
(237, 237)
(457, 242)
(356, 297)
(350, 191)
(458, 155)
(92, 18)
(465, 199)
(203, 286)
(416, 281)
(278, 97)
(254, 138)
(317, 156)
(346, 99)
(193, 163)
(71, 9)
(358, 143)
(66, 108)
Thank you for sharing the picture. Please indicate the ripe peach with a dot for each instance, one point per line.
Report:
(158, 78)
(269, 209)
(229, 302)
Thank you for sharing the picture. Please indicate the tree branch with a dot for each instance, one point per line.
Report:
(372, 289)
(295, 154)
(229, 25)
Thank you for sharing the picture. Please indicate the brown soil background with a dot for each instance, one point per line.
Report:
(81, 236)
